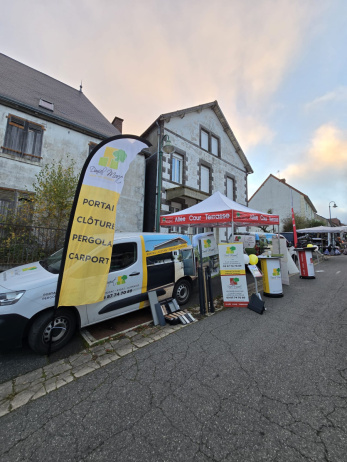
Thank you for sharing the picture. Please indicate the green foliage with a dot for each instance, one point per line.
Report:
(300, 223)
(54, 189)
(314, 223)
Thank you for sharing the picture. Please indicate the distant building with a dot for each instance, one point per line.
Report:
(206, 158)
(335, 222)
(42, 120)
(323, 220)
(276, 194)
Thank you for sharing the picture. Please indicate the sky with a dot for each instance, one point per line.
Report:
(277, 68)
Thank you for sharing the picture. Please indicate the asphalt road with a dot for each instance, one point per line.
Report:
(235, 386)
(17, 362)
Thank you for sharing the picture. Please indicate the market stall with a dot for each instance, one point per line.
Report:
(329, 230)
(220, 211)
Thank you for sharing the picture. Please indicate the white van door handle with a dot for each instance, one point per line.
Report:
(134, 274)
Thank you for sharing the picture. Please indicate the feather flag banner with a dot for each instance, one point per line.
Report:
(89, 240)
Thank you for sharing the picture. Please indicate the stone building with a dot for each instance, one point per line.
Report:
(43, 120)
(206, 157)
(276, 194)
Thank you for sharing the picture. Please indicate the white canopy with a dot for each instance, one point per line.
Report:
(218, 210)
(323, 229)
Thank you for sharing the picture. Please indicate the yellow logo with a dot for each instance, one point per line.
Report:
(121, 280)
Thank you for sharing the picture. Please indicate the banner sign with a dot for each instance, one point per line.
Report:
(233, 275)
(150, 253)
(235, 292)
(89, 239)
(224, 217)
(231, 259)
(255, 271)
(247, 239)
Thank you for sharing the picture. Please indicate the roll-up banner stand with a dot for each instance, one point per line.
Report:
(233, 275)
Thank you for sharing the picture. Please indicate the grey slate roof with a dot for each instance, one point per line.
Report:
(23, 87)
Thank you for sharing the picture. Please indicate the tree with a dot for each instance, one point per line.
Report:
(300, 223)
(54, 188)
(264, 228)
(315, 222)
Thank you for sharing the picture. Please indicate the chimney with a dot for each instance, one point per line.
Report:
(118, 123)
(283, 180)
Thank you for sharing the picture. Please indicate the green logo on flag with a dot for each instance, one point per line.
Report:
(112, 157)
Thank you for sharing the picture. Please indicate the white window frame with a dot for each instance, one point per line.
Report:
(214, 145)
(177, 168)
(205, 177)
(230, 188)
(204, 139)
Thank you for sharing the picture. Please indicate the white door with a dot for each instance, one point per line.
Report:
(124, 286)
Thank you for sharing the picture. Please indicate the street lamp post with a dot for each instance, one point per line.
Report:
(168, 148)
(332, 202)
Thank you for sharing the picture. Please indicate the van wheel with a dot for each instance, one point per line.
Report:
(63, 329)
(182, 291)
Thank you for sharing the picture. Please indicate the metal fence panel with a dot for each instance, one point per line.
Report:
(24, 244)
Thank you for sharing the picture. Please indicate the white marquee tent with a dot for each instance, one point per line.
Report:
(323, 229)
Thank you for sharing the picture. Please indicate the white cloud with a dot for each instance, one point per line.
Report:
(322, 171)
(139, 59)
(338, 95)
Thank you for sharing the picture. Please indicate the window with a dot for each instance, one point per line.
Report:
(5, 208)
(177, 168)
(230, 188)
(209, 142)
(205, 179)
(204, 140)
(175, 207)
(123, 255)
(214, 145)
(91, 146)
(23, 138)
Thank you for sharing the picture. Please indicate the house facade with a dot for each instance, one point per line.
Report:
(276, 194)
(206, 158)
(42, 121)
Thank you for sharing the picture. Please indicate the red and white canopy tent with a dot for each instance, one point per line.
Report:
(218, 211)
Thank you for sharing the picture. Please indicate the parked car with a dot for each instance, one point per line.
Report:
(139, 263)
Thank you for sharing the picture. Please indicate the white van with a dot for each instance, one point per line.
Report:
(27, 293)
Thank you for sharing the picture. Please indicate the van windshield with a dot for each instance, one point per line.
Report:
(52, 263)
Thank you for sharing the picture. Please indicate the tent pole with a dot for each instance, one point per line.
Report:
(232, 226)
(201, 283)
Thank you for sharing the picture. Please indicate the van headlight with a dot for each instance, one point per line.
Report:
(9, 298)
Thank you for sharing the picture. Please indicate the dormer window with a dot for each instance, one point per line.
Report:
(46, 104)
